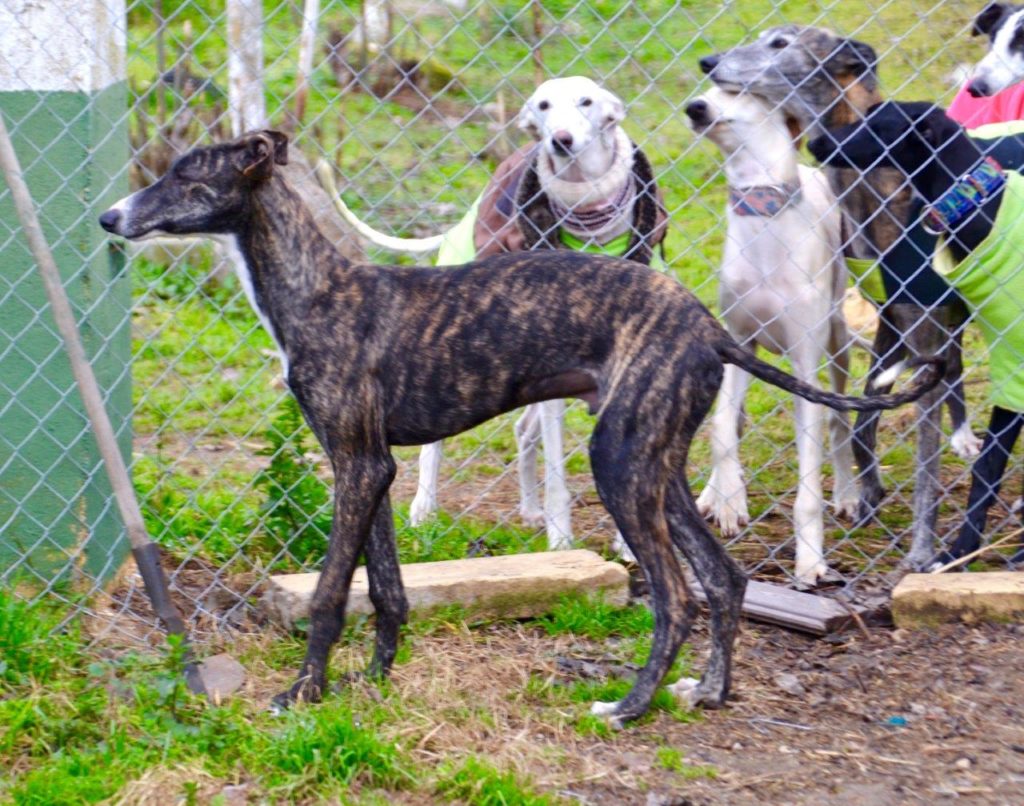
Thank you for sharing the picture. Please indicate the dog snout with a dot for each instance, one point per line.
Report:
(698, 112)
(562, 141)
(709, 63)
(111, 220)
(978, 88)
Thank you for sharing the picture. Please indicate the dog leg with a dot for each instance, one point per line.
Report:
(360, 484)
(927, 337)
(557, 500)
(808, 509)
(724, 497)
(986, 478)
(386, 590)
(964, 442)
(528, 435)
(887, 349)
(844, 492)
(424, 503)
(631, 484)
(724, 584)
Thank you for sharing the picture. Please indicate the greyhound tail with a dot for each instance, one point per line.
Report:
(414, 246)
(732, 353)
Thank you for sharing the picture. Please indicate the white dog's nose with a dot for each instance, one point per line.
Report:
(562, 141)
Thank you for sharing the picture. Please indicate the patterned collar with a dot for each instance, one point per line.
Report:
(966, 195)
(764, 200)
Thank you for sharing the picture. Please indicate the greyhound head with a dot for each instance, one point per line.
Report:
(574, 119)
(805, 70)
(1003, 65)
(903, 135)
(736, 121)
(205, 191)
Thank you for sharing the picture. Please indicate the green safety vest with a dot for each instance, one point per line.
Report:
(991, 281)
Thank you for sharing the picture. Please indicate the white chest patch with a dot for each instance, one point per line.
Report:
(229, 243)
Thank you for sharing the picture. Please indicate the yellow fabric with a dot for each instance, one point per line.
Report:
(990, 131)
(867, 276)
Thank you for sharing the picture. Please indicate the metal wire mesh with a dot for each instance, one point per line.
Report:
(414, 105)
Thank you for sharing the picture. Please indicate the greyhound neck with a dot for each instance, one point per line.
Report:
(281, 256)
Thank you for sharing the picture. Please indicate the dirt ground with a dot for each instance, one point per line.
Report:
(891, 717)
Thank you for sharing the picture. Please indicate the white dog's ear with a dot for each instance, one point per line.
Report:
(527, 120)
(613, 111)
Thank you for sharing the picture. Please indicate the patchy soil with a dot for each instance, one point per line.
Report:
(887, 717)
(890, 718)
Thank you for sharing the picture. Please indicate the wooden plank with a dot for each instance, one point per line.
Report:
(797, 610)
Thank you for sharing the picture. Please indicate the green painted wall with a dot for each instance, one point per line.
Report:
(57, 514)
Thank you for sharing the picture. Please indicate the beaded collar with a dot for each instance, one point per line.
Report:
(763, 200)
(966, 195)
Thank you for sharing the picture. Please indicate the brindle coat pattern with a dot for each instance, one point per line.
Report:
(487, 337)
(825, 81)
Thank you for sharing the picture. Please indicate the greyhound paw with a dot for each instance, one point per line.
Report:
(422, 509)
(558, 540)
(847, 508)
(610, 712)
(621, 549)
(964, 442)
(531, 516)
(728, 512)
(692, 693)
(817, 574)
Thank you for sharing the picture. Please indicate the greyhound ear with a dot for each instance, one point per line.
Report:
(988, 19)
(527, 120)
(851, 57)
(261, 151)
(613, 111)
(796, 131)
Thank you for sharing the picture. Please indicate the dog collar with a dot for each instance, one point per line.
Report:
(971, 191)
(595, 220)
(764, 200)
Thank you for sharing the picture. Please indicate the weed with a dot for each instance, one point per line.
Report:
(477, 782)
(592, 616)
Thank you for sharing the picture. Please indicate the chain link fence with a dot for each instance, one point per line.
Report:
(413, 105)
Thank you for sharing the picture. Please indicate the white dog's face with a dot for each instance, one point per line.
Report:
(732, 120)
(568, 115)
(1003, 65)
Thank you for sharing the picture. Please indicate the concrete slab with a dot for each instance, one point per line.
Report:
(511, 586)
(924, 600)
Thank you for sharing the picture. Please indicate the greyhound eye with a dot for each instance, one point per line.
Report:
(778, 43)
(543, 105)
(586, 102)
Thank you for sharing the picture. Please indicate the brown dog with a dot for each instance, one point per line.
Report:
(381, 356)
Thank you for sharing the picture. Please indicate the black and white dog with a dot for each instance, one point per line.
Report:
(978, 210)
(1003, 65)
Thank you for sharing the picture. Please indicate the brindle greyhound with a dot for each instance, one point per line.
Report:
(380, 356)
(824, 81)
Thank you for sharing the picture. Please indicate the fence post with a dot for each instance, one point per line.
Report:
(63, 92)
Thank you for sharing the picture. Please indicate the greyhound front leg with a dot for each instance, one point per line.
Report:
(528, 432)
(557, 500)
(844, 494)
(359, 485)
(724, 497)
(808, 508)
(386, 590)
(424, 503)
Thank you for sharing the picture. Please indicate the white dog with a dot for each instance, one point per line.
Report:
(781, 287)
(581, 184)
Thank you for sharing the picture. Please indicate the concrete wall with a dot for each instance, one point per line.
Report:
(64, 97)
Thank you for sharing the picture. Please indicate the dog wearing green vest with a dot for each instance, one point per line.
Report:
(977, 209)
(780, 287)
(580, 184)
